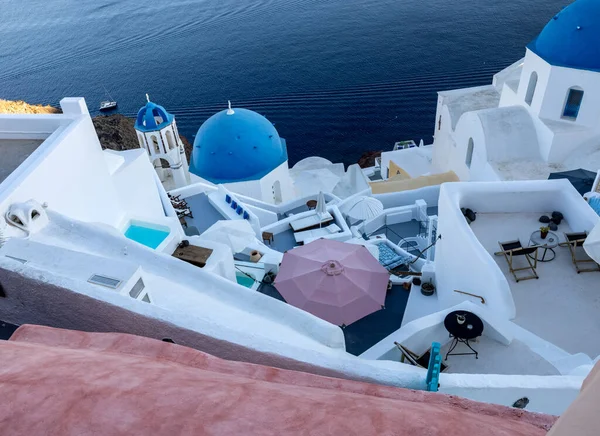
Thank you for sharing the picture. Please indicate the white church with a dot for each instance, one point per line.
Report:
(539, 115)
(241, 150)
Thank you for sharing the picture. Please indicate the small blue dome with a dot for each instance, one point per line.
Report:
(146, 120)
(234, 147)
(572, 37)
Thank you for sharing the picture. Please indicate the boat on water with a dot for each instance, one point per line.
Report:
(108, 105)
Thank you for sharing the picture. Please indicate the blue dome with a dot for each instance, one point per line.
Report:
(236, 147)
(572, 37)
(147, 115)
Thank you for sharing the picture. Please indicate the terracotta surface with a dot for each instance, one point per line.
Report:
(582, 417)
(74, 383)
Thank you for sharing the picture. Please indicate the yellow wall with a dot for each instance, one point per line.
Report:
(410, 184)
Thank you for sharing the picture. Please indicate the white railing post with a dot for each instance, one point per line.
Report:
(432, 236)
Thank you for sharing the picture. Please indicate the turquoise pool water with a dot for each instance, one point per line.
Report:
(244, 280)
(145, 235)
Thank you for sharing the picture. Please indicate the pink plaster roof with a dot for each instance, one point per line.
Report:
(67, 382)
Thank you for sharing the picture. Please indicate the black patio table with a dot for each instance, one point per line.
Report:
(462, 326)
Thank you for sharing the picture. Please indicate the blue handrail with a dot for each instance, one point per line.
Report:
(433, 369)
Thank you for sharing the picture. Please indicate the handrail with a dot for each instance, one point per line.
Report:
(472, 295)
(387, 229)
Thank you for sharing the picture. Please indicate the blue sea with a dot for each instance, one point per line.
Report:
(337, 77)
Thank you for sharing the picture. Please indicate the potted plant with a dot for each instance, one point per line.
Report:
(427, 289)
(544, 231)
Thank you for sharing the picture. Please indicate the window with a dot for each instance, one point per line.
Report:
(573, 104)
(170, 140)
(531, 88)
(155, 144)
(469, 153)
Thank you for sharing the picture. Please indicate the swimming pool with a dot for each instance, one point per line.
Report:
(145, 235)
(244, 280)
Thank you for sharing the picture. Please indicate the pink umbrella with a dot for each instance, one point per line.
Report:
(340, 283)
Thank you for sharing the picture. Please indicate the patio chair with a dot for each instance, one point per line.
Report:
(512, 249)
(422, 361)
(574, 240)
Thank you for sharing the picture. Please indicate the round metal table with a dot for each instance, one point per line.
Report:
(462, 326)
(547, 245)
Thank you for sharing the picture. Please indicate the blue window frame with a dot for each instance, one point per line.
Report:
(573, 104)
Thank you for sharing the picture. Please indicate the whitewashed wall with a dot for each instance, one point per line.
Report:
(136, 186)
(69, 172)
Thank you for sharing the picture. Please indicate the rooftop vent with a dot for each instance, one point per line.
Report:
(137, 289)
(18, 259)
(104, 281)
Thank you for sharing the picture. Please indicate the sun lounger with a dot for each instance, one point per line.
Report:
(512, 249)
(389, 259)
(574, 240)
(300, 237)
(308, 222)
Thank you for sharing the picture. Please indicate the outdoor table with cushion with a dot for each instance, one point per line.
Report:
(547, 244)
(300, 237)
(310, 221)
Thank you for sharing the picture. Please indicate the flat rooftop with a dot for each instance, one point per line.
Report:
(561, 306)
(13, 152)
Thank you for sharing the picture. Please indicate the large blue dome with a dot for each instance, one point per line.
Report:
(572, 37)
(236, 145)
(152, 117)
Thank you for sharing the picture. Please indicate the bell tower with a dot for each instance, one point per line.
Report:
(157, 134)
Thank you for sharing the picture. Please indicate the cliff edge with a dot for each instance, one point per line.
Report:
(20, 107)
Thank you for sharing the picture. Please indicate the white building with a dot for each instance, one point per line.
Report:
(157, 134)
(241, 150)
(93, 248)
(540, 115)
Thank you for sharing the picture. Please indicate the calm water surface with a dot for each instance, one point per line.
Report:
(337, 77)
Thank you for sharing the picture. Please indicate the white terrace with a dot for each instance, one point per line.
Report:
(561, 306)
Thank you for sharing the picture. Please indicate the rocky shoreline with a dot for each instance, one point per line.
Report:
(116, 132)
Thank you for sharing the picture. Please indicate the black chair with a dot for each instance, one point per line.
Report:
(512, 249)
(574, 240)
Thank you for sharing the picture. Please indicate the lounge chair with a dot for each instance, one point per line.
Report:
(311, 221)
(512, 249)
(301, 237)
(574, 240)
(422, 361)
(389, 259)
